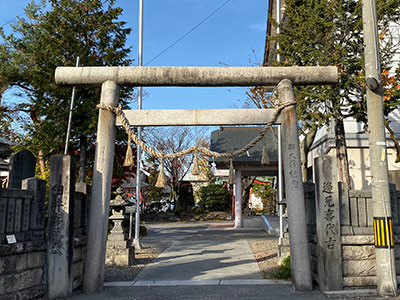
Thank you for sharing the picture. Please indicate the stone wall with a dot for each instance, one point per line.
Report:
(22, 270)
(80, 230)
(354, 237)
(309, 197)
(358, 248)
(78, 261)
(358, 251)
(24, 261)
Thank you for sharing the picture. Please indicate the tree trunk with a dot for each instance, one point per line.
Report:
(341, 152)
(175, 188)
(82, 158)
(42, 164)
(394, 139)
(305, 148)
(247, 181)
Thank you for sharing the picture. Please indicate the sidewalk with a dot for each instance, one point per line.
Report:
(204, 261)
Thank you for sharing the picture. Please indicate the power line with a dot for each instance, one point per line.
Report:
(13, 19)
(187, 33)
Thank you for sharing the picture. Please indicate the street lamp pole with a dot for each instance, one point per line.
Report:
(136, 242)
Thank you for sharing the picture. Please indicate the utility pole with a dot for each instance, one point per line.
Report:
(384, 250)
(70, 112)
(136, 242)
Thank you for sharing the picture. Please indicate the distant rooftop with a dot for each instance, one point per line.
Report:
(229, 139)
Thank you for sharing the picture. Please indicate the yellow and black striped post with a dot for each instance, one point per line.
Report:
(383, 231)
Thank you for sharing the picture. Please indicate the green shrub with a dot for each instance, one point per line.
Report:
(284, 271)
(142, 230)
(214, 197)
(178, 211)
(198, 210)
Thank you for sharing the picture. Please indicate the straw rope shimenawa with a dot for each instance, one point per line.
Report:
(161, 178)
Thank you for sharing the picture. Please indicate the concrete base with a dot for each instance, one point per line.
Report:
(252, 222)
(136, 244)
(347, 294)
(117, 256)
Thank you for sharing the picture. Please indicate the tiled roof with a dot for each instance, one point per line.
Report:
(229, 139)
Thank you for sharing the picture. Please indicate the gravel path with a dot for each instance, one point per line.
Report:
(162, 235)
(266, 255)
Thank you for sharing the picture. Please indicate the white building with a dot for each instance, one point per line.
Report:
(356, 139)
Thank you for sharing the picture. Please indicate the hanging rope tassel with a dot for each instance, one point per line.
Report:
(264, 157)
(129, 154)
(195, 165)
(231, 179)
(161, 181)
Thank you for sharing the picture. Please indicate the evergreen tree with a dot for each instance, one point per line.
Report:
(322, 33)
(54, 33)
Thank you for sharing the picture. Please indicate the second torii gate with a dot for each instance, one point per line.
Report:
(110, 78)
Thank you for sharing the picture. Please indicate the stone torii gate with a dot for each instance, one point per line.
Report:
(110, 78)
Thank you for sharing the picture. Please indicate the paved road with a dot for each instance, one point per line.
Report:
(205, 252)
(204, 261)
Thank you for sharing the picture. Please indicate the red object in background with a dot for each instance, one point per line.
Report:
(133, 193)
(261, 182)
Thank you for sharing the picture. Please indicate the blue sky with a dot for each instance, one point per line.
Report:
(227, 38)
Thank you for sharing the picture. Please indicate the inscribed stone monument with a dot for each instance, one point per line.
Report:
(60, 236)
(329, 249)
(22, 166)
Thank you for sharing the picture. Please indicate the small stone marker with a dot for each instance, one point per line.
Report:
(329, 247)
(22, 166)
(60, 236)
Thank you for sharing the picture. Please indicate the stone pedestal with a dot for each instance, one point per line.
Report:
(117, 252)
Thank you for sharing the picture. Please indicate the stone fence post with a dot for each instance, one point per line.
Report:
(61, 227)
(37, 209)
(329, 249)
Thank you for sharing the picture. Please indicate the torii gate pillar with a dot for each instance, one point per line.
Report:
(93, 275)
(238, 198)
(298, 237)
